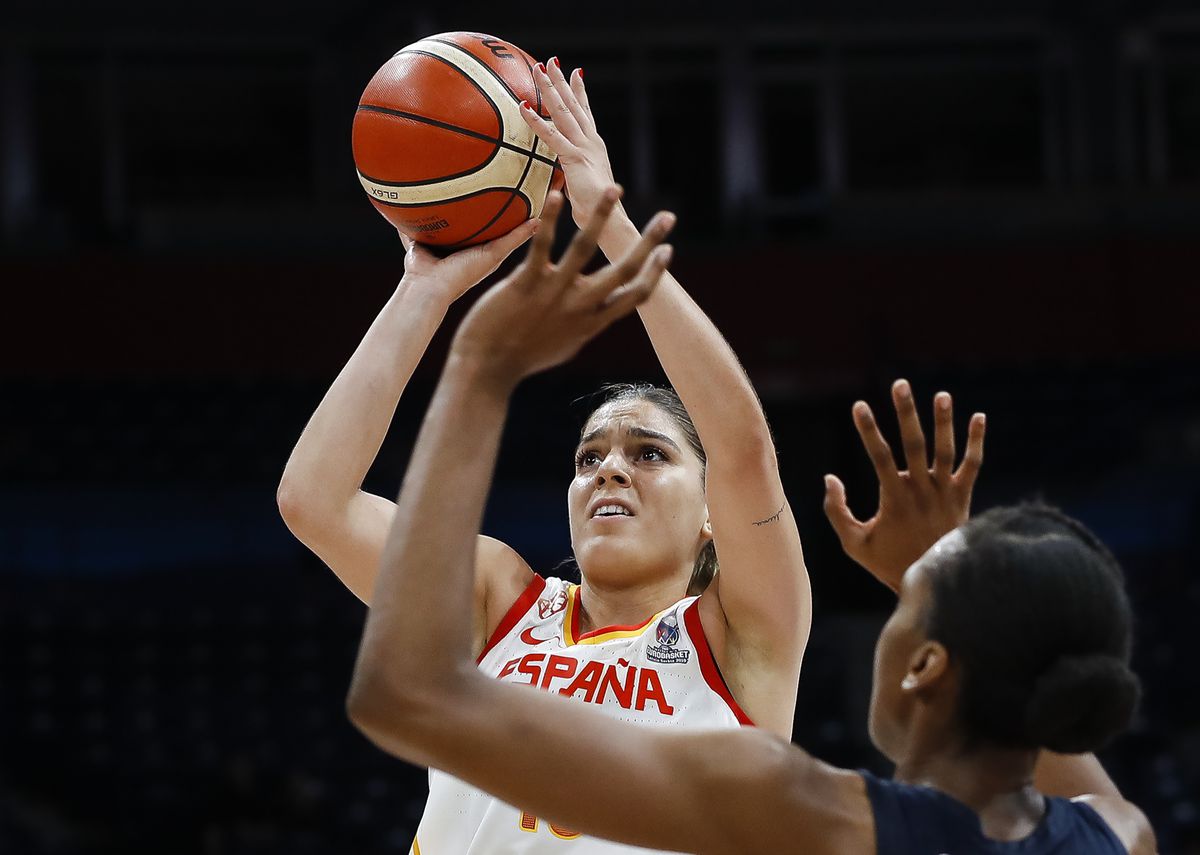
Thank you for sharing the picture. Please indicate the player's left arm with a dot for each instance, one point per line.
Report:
(758, 611)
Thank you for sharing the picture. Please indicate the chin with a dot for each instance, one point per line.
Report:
(613, 557)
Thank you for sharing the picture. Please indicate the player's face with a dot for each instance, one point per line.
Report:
(636, 502)
(892, 708)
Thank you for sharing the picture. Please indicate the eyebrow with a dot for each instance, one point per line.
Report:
(639, 432)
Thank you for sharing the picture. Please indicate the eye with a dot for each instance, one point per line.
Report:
(586, 457)
(653, 453)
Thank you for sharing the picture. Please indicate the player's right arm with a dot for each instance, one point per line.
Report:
(320, 494)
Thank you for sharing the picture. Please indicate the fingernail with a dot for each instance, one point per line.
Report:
(540, 67)
(554, 62)
(669, 220)
(525, 105)
(943, 400)
(982, 420)
(580, 70)
(861, 409)
(665, 252)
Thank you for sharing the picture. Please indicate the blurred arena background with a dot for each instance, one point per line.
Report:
(996, 198)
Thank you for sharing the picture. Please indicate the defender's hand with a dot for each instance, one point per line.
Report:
(543, 313)
(916, 506)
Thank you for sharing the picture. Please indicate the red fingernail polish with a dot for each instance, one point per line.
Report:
(580, 70)
(554, 62)
(525, 105)
(541, 68)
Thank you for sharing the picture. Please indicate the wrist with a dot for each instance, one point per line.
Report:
(619, 234)
(480, 371)
(427, 291)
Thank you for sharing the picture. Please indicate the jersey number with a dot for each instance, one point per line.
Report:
(529, 823)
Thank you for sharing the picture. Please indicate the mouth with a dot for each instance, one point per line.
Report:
(610, 509)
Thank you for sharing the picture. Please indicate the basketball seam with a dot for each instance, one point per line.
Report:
(512, 195)
(388, 111)
(487, 68)
(499, 214)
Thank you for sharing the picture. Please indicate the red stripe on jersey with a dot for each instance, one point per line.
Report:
(522, 604)
(578, 636)
(708, 665)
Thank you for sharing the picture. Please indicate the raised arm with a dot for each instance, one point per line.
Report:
(320, 495)
(706, 792)
(916, 507)
(758, 611)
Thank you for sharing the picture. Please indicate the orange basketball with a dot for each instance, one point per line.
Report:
(440, 145)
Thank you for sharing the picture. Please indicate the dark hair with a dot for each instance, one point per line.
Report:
(667, 400)
(1034, 610)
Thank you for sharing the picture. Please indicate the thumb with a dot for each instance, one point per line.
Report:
(847, 528)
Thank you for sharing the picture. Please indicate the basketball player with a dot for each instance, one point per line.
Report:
(1011, 635)
(654, 633)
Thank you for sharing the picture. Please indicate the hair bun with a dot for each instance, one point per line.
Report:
(1081, 702)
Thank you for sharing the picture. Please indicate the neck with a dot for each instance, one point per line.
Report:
(613, 605)
(996, 783)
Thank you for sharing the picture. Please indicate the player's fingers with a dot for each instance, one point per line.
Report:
(405, 241)
(583, 245)
(538, 257)
(581, 95)
(972, 460)
(877, 448)
(560, 113)
(845, 525)
(632, 294)
(567, 95)
(547, 132)
(912, 437)
(499, 249)
(598, 288)
(943, 435)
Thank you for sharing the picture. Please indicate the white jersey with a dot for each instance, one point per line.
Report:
(659, 674)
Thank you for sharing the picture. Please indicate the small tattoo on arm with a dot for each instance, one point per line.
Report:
(772, 518)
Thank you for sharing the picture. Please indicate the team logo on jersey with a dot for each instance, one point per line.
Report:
(552, 605)
(667, 636)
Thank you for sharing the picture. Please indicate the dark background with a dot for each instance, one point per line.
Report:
(995, 198)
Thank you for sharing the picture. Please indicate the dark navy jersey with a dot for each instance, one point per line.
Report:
(922, 821)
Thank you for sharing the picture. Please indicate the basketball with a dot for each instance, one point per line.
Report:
(440, 145)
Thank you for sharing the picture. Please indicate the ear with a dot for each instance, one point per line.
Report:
(927, 668)
(706, 529)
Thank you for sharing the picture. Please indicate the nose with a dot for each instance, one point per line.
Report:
(613, 467)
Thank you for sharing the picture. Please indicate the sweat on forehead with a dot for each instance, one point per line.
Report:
(625, 414)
